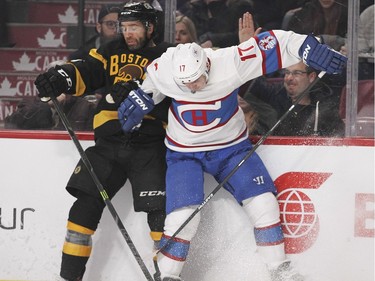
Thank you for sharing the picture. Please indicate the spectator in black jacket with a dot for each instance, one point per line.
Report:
(328, 19)
(315, 114)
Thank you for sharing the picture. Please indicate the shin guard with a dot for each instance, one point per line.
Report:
(76, 251)
(171, 259)
(264, 214)
(155, 220)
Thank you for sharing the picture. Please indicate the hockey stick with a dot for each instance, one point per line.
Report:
(247, 156)
(101, 189)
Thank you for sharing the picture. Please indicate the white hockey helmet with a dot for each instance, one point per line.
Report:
(189, 63)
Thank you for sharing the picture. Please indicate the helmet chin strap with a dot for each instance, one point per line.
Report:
(147, 41)
(208, 67)
(206, 75)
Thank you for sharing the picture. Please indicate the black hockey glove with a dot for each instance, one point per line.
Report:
(53, 83)
(121, 90)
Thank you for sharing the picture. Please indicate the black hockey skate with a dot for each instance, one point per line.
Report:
(158, 278)
(62, 279)
(157, 275)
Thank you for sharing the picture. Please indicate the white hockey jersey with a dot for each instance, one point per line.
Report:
(211, 118)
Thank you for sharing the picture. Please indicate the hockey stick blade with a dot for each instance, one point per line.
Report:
(247, 156)
(101, 190)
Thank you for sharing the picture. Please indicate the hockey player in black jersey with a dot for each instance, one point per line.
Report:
(116, 156)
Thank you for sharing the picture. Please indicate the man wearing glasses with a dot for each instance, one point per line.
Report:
(315, 114)
(105, 29)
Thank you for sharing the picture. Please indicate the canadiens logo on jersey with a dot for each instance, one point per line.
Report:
(200, 117)
(267, 43)
(270, 49)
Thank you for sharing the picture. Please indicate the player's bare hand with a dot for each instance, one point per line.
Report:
(246, 28)
(344, 50)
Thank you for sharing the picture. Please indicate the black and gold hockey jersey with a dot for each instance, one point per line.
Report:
(112, 63)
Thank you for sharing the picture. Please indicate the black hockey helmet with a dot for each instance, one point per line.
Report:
(138, 11)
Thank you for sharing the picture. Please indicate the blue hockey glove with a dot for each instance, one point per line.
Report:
(53, 83)
(321, 57)
(132, 110)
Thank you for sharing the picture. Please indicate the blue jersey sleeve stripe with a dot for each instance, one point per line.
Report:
(263, 56)
(270, 50)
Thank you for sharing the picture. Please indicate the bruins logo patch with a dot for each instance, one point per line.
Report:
(77, 169)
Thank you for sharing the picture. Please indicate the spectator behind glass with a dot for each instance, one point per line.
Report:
(365, 44)
(33, 114)
(269, 13)
(365, 32)
(315, 114)
(215, 21)
(185, 30)
(259, 115)
(327, 18)
(106, 30)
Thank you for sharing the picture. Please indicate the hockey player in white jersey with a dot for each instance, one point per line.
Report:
(206, 132)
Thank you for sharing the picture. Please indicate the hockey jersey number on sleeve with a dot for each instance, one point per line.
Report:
(246, 54)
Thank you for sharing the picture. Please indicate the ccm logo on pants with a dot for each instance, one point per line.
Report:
(152, 193)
